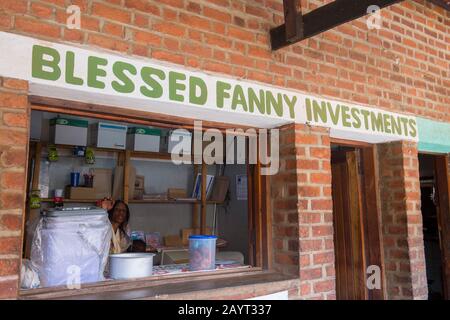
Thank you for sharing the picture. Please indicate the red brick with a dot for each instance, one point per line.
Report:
(147, 37)
(111, 13)
(41, 11)
(13, 138)
(11, 221)
(318, 231)
(168, 56)
(12, 180)
(15, 84)
(9, 267)
(324, 286)
(37, 27)
(16, 6)
(15, 119)
(12, 157)
(10, 245)
(8, 289)
(108, 43)
(12, 100)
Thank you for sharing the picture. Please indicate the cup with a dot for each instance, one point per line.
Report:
(58, 193)
(74, 179)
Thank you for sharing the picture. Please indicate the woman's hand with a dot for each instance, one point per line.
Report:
(106, 203)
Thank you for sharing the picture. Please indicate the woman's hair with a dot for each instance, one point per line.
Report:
(123, 226)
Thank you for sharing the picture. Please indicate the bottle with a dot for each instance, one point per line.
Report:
(35, 199)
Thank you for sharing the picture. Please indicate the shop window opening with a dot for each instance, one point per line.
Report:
(79, 168)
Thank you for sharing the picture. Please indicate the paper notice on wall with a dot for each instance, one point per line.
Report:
(241, 187)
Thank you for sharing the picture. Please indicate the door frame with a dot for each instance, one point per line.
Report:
(370, 211)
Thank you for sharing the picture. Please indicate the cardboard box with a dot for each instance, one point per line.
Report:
(143, 139)
(108, 135)
(176, 193)
(102, 182)
(80, 193)
(68, 131)
(180, 138)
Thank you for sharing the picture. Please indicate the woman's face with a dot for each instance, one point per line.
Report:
(119, 214)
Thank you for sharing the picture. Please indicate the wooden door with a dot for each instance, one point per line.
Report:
(442, 178)
(348, 226)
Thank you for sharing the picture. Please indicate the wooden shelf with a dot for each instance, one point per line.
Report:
(155, 201)
(71, 200)
(169, 201)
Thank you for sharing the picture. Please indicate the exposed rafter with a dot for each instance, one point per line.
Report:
(442, 3)
(298, 27)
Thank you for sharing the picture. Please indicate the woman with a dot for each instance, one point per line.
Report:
(119, 215)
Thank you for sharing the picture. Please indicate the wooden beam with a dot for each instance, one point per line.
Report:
(203, 199)
(325, 18)
(441, 3)
(372, 218)
(293, 20)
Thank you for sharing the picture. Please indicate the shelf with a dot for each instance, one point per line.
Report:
(155, 201)
(167, 201)
(71, 200)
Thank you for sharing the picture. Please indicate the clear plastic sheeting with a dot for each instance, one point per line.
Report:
(71, 246)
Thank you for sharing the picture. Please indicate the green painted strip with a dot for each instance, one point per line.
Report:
(144, 130)
(69, 122)
(434, 136)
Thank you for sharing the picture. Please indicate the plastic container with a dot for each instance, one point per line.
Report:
(131, 265)
(71, 246)
(202, 252)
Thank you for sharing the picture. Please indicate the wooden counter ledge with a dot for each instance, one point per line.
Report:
(224, 284)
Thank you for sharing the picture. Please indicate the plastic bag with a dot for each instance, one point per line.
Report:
(71, 247)
(29, 278)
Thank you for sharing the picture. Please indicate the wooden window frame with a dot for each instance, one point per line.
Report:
(259, 215)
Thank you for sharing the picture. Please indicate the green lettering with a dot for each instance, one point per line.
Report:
(396, 125)
(70, 68)
(277, 104)
(346, 117)
(405, 125)
(334, 114)
(387, 123)
(291, 104)
(94, 72)
(412, 125)
(366, 114)
(238, 98)
(377, 121)
(194, 84)
(156, 90)
(119, 68)
(308, 109)
(38, 63)
(357, 121)
(320, 111)
(175, 86)
(253, 100)
(221, 91)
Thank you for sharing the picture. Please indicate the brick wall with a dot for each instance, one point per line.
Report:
(14, 119)
(404, 66)
(402, 221)
(302, 209)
